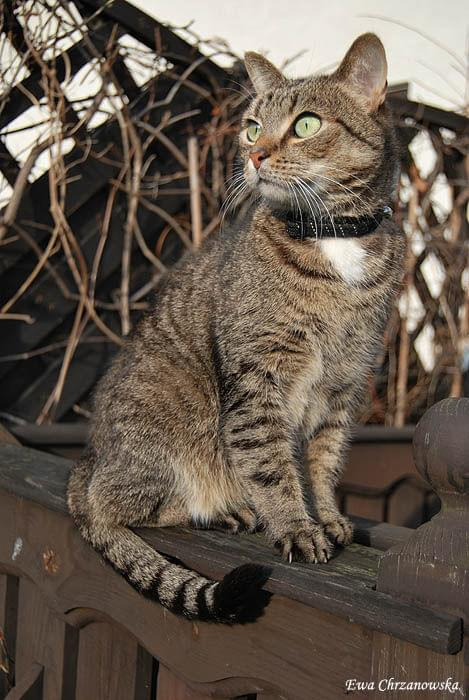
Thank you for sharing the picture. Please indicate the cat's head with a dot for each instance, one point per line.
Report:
(326, 142)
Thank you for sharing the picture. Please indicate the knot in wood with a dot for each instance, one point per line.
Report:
(441, 447)
(50, 561)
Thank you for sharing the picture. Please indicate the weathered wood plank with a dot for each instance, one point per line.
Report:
(30, 687)
(41, 640)
(68, 62)
(34, 475)
(107, 662)
(404, 663)
(302, 643)
(432, 566)
(70, 662)
(4, 660)
(381, 536)
(342, 587)
(54, 433)
(383, 433)
(146, 29)
(170, 687)
(341, 590)
(6, 437)
(424, 114)
(8, 624)
(145, 675)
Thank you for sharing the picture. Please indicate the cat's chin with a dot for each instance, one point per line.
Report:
(273, 193)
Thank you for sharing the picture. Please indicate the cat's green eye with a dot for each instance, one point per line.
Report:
(307, 125)
(253, 131)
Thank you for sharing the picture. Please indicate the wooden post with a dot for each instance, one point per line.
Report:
(432, 566)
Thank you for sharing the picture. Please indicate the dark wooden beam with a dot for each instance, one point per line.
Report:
(429, 116)
(73, 59)
(147, 29)
(343, 587)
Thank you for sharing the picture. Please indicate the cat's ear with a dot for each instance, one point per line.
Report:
(364, 71)
(263, 74)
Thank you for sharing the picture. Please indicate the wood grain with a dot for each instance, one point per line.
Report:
(172, 688)
(301, 643)
(4, 661)
(30, 687)
(145, 675)
(8, 625)
(323, 626)
(344, 587)
(393, 658)
(6, 437)
(40, 640)
(107, 662)
(432, 566)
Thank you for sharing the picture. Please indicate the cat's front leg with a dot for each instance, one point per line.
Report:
(259, 447)
(324, 460)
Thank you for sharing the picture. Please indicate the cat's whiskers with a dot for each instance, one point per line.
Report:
(229, 201)
(317, 198)
(238, 188)
(298, 205)
(236, 175)
(247, 92)
(292, 196)
(328, 213)
(353, 195)
(233, 180)
(230, 189)
(348, 173)
(310, 203)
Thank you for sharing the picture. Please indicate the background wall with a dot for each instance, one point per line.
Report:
(437, 69)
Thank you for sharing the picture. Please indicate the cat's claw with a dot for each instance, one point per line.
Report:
(308, 544)
(339, 530)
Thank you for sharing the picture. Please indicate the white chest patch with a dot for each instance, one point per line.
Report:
(347, 256)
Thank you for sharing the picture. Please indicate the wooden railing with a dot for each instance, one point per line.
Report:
(394, 605)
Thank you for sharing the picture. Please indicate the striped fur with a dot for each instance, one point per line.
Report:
(232, 402)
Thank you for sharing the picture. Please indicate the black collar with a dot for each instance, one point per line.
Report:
(337, 227)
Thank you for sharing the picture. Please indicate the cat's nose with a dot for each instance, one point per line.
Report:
(258, 156)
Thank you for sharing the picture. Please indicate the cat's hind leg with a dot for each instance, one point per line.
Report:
(241, 520)
(170, 515)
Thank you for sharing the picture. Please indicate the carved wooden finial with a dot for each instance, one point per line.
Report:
(441, 448)
(432, 566)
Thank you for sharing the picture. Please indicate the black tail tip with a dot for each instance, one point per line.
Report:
(239, 597)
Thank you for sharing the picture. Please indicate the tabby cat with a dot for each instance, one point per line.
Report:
(232, 402)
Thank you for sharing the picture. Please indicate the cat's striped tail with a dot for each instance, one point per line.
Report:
(237, 598)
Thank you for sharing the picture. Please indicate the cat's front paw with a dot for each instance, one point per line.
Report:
(338, 529)
(305, 542)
